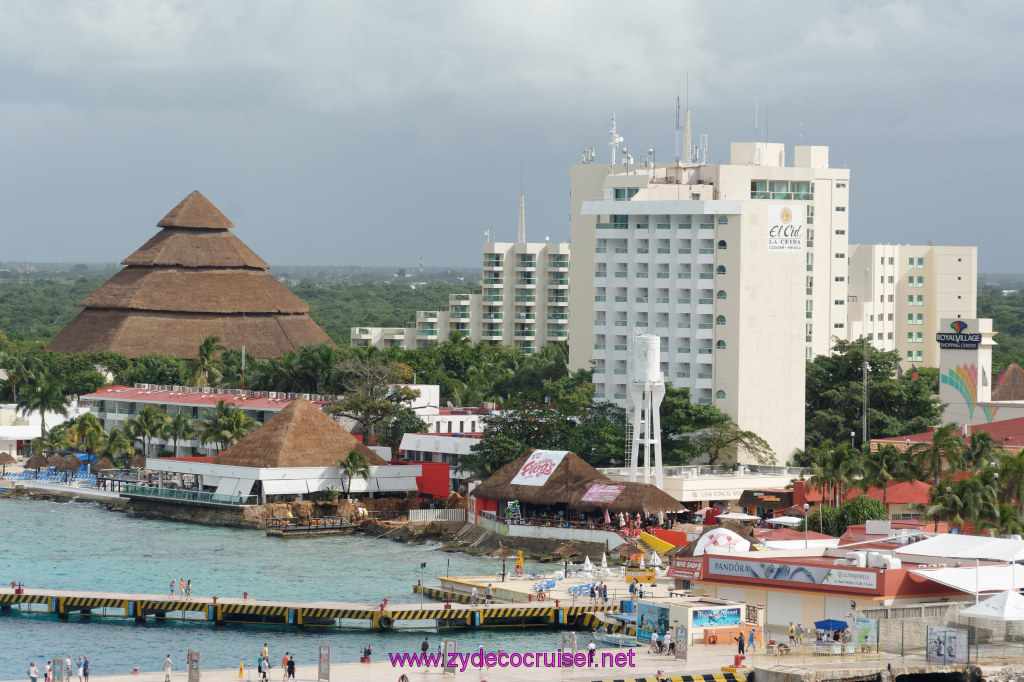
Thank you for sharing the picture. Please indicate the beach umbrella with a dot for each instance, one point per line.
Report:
(587, 566)
(642, 566)
(103, 464)
(607, 518)
(137, 462)
(830, 624)
(604, 560)
(55, 460)
(625, 549)
(504, 553)
(655, 559)
(566, 550)
(37, 462)
(5, 459)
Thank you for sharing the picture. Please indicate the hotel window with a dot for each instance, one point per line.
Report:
(915, 355)
(878, 336)
(720, 270)
(840, 278)
(915, 299)
(915, 337)
(838, 325)
(625, 193)
(915, 318)
(840, 185)
(720, 395)
(722, 246)
(840, 255)
(839, 301)
(915, 281)
(841, 209)
(723, 220)
(720, 320)
(916, 263)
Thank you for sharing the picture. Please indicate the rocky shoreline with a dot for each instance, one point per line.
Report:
(452, 537)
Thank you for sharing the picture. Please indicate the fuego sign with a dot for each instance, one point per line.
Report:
(538, 467)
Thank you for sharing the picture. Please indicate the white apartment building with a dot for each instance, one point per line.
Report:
(739, 268)
(523, 302)
(900, 292)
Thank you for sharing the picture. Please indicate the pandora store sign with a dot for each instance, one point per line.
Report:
(785, 233)
(959, 339)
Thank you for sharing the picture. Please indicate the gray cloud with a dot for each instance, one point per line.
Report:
(342, 132)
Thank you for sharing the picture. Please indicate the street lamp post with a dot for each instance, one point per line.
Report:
(806, 522)
(853, 434)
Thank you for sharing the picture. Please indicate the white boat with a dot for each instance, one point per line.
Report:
(602, 636)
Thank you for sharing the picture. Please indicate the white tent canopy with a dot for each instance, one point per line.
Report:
(974, 580)
(955, 546)
(786, 520)
(655, 559)
(739, 516)
(1005, 606)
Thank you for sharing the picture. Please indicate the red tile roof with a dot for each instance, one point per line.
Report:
(145, 395)
(1008, 432)
(909, 492)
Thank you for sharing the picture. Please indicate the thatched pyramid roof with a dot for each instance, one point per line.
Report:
(192, 279)
(569, 481)
(300, 435)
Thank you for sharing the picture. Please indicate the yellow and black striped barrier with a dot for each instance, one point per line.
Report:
(706, 677)
(23, 599)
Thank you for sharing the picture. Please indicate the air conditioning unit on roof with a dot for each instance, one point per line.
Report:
(272, 394)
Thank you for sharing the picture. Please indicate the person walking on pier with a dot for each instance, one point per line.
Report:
(33, 672)
(424, 648)
(291, 668)
(490, 594)
(739, 644)
(264, 667)
(284, 667)
(473, 593)
(181, 587)
(188, 591)
(85, 668)
(168, 667)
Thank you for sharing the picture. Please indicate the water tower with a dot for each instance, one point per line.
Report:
(646, 391)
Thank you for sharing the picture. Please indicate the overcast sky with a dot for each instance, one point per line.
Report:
(378, 132)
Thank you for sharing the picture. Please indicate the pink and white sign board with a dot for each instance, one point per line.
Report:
(539, 466)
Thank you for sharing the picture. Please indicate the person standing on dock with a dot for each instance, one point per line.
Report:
(474, 595)
(188, 591)
(264, 667)
(291, 668)
(424, 648)
(78, 666)
(172, 587)
(33, 672)
(181, 587)
(85, 668)
(168, 667)
(490, 594)
(284, 667)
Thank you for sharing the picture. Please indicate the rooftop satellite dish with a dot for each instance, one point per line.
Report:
(450, 405)
(547, 237)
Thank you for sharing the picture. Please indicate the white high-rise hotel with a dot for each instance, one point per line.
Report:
(739, 268)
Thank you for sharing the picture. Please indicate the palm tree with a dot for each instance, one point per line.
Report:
(880, 467)
(21, 369)
(149, 424)
(45, 394)
(226, 425)
(354, 464)
(206, 370)
(53, 440)
(118, 443)
(1011, 477)
(943, 505)
(981, 450)
(945, 450)
(1006, 521)
(182, 427)
(835, 467)
(84, 428)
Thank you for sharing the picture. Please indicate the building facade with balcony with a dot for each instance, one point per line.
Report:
(523, 301)
(899, 293)
(740, 269)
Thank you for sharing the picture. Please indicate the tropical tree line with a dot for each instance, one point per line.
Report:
(974, 482)
(223, 426)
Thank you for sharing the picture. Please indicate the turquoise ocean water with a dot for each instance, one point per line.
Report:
(86, 547)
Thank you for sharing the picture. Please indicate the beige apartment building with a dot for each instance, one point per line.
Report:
(523, 302)
(739, 268)
(899, 293)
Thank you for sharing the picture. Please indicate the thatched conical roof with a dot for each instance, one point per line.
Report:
(191, 280)
(37, 461)
(300, 435)
(196, 211)
(55, 460)
(7, 458)
(569, 481)
(104, 463)
(137, 462)
(68, 464)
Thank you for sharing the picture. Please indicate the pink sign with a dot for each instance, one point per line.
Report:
(602, 492)
(538, 467)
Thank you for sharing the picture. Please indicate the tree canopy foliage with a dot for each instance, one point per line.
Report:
(897, 405)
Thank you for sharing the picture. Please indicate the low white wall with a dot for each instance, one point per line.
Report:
(552, 533)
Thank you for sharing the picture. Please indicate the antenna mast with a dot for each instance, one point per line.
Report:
(614, 144)
(521, 237)
(686, 134)
(677, 123)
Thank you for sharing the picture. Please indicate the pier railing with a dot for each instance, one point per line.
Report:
(323, 523)
(190, 496)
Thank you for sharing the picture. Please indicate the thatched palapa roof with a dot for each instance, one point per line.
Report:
(191, 280)
(565, 485)
(300, 435)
